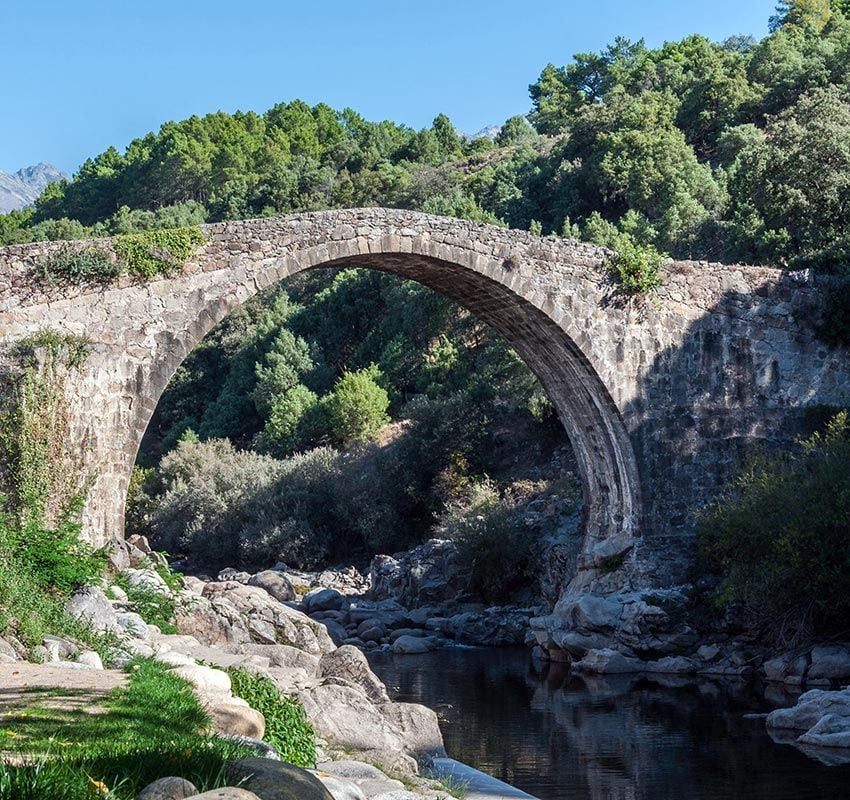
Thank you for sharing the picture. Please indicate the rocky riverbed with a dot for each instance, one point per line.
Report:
(308, 633)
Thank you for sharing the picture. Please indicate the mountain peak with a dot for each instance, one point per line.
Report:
(21, 188)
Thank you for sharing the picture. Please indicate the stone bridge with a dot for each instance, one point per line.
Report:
(660, 397)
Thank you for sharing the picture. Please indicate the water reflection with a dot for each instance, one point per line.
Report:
(561, 736)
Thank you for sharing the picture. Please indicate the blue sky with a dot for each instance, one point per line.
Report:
(82, 75)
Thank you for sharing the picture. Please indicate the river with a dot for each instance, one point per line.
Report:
(560, 736)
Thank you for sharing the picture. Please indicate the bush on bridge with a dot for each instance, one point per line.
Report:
(161, 251)
(75, 266)
(779, 538)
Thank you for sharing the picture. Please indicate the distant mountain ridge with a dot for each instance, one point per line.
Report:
(21, 188)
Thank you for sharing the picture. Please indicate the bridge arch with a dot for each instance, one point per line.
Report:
(489, 288)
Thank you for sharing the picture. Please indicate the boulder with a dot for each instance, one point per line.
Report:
(192, 584)
(670, 665)
(140, 542)
(132, 624)
(276, 780)
(237, 719)
(279, 655)
(829, 663)
(90, 606)
(831, 730)
(205, 679)
(374, 633)
(238, 613)
(65, 647)
(348, 662)
(810, 708)
(607, 662)
(90, 659)
(335, 630)
(148, 579)
(275, 583)
(412, 645)
(430, 573)
(226, 793)
(787, 668)
(323, 600)
(419, 728)
(171, 788)
(345, 717)
(231, 574)
(368, 778)
(341, 789)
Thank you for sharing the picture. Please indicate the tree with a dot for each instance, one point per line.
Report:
(788, 186)
(284, 363)
(809, 14)
(357, 407)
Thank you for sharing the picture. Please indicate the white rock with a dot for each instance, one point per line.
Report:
(205, 679)
(90, 659)
(412, 645)
(340, 788)
(133, 624)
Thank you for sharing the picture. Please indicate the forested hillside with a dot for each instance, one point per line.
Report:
(361, 408)
(733, 150)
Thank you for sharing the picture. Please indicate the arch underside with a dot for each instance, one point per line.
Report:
(598, 436)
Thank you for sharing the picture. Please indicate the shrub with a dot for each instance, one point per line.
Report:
(636, 267)
(205, 485)
(155, 608)
(161, 251)
(779, 537)
(496, 550)
(76, 266)
(287, 728)
(357, 407)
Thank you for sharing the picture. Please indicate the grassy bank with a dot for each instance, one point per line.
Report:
(152, 727)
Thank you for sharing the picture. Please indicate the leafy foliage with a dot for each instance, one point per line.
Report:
(494, 545)
(701, 142)
(835, 326)
(779, 537)
(155, 608)
(158, 251)
(74, 266)
(356, 409)
(287, 729)
(636, 267)
(42, 558)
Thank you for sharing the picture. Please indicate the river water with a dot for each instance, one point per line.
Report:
(561, 736)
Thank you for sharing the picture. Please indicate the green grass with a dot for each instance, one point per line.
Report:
(31, 605)
(287, 729)
(152, 727)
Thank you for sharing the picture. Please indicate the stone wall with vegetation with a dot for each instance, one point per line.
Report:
(651, 389)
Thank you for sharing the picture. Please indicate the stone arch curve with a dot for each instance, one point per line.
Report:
(494, 291)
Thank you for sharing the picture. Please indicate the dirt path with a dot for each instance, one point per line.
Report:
(58, 691)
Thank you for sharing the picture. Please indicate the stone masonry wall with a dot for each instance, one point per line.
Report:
(660, 396)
